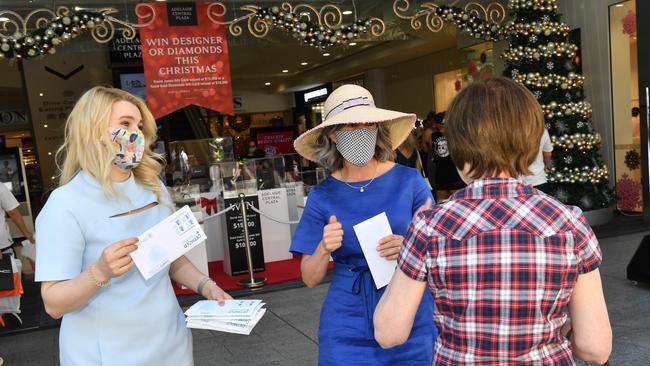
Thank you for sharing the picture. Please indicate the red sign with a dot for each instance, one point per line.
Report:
(275, 142)
(185, 56)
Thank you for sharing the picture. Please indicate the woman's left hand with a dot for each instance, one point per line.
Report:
(389, 246)
(213, 292)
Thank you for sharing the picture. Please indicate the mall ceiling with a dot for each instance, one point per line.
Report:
(280, 60)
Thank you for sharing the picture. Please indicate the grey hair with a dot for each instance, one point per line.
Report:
(331, 159)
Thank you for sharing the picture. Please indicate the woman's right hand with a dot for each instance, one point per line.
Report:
(332, 235)
(115, 260)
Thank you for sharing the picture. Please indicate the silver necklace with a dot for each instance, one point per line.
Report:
(363, 187)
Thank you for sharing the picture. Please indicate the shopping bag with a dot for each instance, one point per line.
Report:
(10, 299)
(6, 273)
(16, 283)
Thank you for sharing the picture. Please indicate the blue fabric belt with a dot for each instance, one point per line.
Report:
(361, 284)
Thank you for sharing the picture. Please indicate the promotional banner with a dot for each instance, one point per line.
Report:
(185, 57)
(275, 141)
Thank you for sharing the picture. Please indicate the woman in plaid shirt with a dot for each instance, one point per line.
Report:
(502, 259)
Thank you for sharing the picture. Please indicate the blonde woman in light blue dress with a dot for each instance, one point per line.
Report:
(111, 314)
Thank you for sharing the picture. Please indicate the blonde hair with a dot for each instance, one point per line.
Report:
(87, 125)
(494, 126)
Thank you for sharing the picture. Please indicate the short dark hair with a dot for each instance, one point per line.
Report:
(494, 126)
(440, 118)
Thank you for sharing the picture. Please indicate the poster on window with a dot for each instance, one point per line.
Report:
(185, 57)
(275, 140)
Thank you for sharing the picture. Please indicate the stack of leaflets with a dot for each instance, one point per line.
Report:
(236, 316)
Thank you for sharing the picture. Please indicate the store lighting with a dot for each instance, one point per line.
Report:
(267, 83)
(304, 63)
(315, 94)
(285, 71)
(353, 43)
(44, 126)
(49, 153)
(347, 12)
(326, 54)
(619, 5)
(40, 94)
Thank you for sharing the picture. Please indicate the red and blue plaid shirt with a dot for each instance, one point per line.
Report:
(501, 260)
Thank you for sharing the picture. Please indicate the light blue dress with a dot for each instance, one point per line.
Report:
(130, 321)
(346, 331)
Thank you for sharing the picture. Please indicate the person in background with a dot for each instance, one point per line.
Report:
(427, 131)
(11, 208)
(356, 143)
(253, 151)
(447, 180)
(87, 229)
(407, 154)
(502, 260)
(537, 178)
(6, 173)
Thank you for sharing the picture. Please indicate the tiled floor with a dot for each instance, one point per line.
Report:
(287, 335)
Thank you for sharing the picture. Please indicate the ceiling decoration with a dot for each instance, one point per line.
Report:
(473, 16)
(321, 28)
(42, 30)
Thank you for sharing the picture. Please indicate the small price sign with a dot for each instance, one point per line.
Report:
(237, 240)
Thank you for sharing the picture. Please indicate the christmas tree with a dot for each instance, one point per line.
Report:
(540, 57)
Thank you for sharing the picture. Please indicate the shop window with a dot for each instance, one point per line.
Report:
(625, 105)
(478, 65)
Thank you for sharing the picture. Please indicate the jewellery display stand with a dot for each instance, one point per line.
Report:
(277, 177)
(194, 184)
(208, 180)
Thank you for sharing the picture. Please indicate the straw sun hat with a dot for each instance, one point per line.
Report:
(353, 104)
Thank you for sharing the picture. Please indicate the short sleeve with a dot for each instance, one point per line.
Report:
(586, 245)
(547, 146)
(413, 254)
(421, 192)
(310, 228)
(7, 200)
(59, 241)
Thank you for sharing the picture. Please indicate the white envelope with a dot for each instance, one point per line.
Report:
(231, 309)
(229, 327)
(369, 233)
(167, 241)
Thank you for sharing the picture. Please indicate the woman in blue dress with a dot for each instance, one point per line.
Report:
(109, 194)
(356, 143)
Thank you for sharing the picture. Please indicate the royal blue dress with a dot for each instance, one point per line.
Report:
(346, 331)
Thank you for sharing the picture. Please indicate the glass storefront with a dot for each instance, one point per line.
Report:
(625, 105)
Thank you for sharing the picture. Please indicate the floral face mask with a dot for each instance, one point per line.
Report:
(129, 147)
